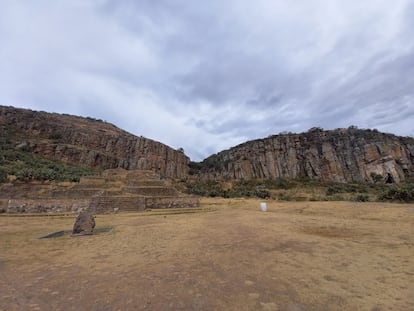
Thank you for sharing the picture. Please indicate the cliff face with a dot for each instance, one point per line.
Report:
(87, 142)
(343, 155)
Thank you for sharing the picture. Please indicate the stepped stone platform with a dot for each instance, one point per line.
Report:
(117, 190)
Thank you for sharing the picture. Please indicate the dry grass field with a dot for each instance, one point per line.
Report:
(227, 255)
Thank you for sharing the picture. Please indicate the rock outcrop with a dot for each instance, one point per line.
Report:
(87, 142)
(342, 155)
(84, 224)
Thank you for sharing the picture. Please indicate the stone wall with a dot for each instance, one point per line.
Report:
(44, 205)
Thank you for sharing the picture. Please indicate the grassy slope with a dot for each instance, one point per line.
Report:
(22, 165)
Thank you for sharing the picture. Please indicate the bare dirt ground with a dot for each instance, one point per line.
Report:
(228, 255)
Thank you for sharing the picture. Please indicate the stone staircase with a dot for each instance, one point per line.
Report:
(136, 190)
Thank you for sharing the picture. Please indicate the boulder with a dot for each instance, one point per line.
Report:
(84, 224)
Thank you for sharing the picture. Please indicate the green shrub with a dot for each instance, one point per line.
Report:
(55, 136)
(361, 198)
(332, 190)
(46, 174)
(279, 183)
(345, 188)
(25, 174)
(74, 178)
(3, 175)
(285, 197)
(401, 194)
(335, 197)
(262, 193)
(240, 189)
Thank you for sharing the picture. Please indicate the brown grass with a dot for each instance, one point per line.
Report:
(227, 255)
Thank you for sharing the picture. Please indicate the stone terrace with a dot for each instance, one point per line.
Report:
(116, 190)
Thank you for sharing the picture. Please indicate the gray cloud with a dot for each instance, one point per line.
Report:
(206, 76)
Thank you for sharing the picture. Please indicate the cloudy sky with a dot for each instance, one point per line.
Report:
(207, 75)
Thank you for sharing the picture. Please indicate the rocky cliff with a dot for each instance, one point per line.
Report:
(87, 142)
(342, 155)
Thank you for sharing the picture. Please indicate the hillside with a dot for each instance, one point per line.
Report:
(85, 142)
(343, 155)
